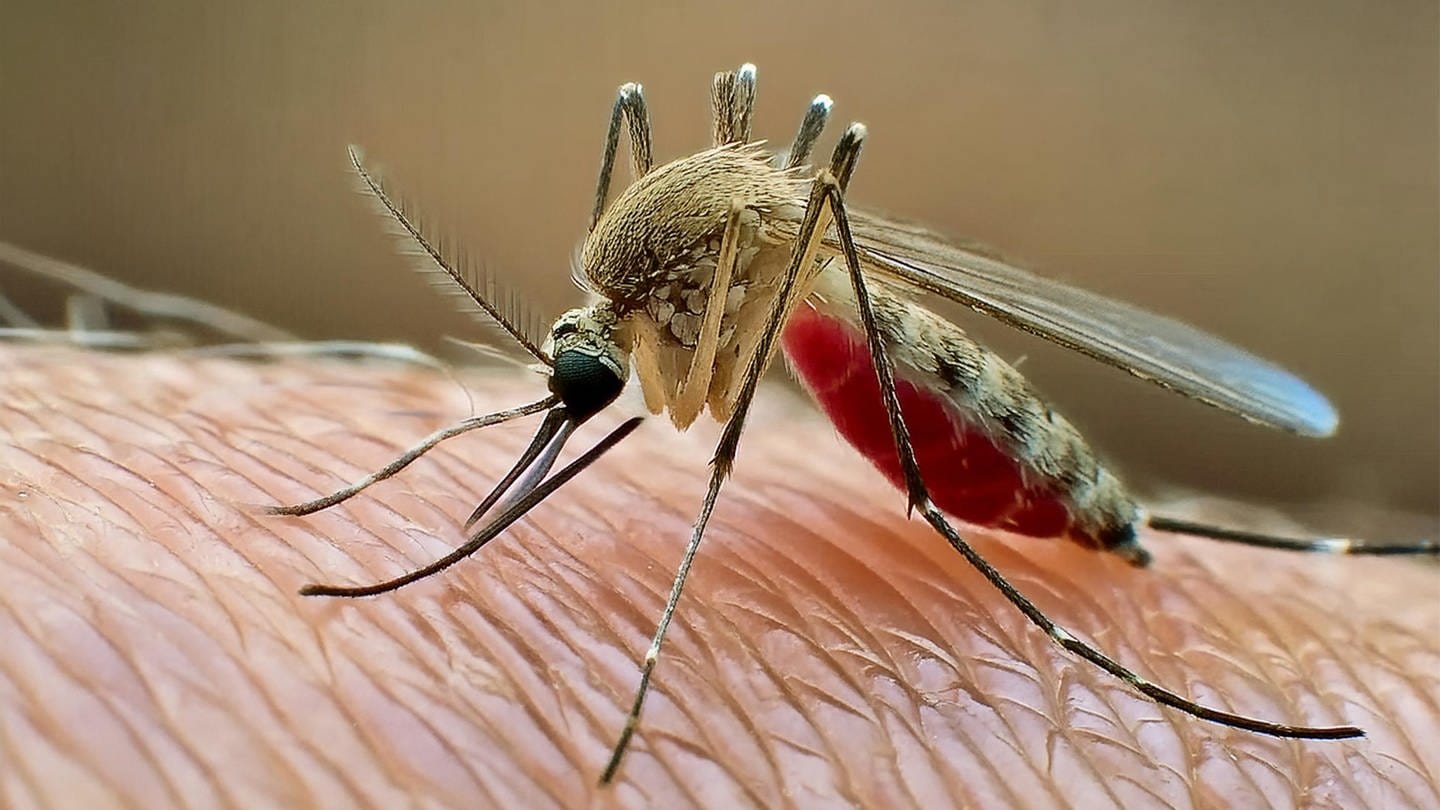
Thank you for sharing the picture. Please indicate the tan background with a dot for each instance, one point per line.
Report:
(1267, 171)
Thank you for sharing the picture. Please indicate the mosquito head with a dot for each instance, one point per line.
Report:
(590, 366)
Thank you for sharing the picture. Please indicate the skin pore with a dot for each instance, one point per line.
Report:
(826, 652)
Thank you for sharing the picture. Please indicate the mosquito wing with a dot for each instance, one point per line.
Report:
(1163, 351)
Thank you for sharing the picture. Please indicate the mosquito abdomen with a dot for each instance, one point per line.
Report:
(1013, 468)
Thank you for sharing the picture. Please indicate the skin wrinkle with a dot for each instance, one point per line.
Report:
(828, 598)
(869, 640)
(893, 666)
(373, 737)
(324, 467)
(1428, 698)
(831, 601)
(1069, 737)
(138, 674)
(133, 515)
(708, 668)
(410, 637)
(1396, 728)
(415, 644)
(581, 622)
(824, 747)
(461, 763)
(390, 692)
(1299, 763)
(727, 708)
(94, 413)
(734, 702)
(195, 508)
(812, 580)
(488, 780)
(1262, 673)
(1266, 676)
(1364, 683)
(209, 695)
(950, 798)
(31, 708)
(1159, 655)
(1329, 699)
(595, 722)
(1167, 665)
(958, 776)
(26, 781)
(681, 642)
(375, 755)
(556, 734)
(12, 431)
(939, 588)
(919, 734)
(494, 732)
(1115, 638)
(319, 756)
(1158, 800)
(1066, 668)
(750, 711)
(76, 679)
(44, 577)
(1060, 684)
(813, 646)
(1058, 707)
(663, 741)
(816, 581)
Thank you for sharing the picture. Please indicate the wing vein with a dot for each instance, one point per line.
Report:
(1166, 352)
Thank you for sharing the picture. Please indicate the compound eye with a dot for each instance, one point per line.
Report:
(584, 384)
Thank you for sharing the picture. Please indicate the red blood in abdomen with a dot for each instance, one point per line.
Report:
(967, 474)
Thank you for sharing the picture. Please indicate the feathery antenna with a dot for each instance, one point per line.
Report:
(470, 281)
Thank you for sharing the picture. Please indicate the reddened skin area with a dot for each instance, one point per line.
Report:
(826, 651)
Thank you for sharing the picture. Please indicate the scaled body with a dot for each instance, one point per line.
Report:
(993, 453)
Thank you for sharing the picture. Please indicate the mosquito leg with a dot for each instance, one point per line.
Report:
(403, 461)
(720, 92)
(629, 106)
(732, 102)
(1328, 545)
(919, 497)
(802, 267)
(812, 231)
(810, 128)
(742, 103)
(693, 389)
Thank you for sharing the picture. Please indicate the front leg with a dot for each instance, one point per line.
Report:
(732, 103)
(692, 391)
(802, 262)
(629, 106)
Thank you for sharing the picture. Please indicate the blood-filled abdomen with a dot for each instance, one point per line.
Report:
(968, 472)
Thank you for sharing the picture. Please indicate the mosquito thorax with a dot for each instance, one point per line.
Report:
(590, 366)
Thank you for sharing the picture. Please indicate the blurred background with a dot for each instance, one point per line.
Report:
(1267, 171)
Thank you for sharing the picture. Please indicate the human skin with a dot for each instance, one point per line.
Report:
(827, 652)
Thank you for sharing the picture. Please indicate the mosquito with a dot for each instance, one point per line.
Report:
(705, 268)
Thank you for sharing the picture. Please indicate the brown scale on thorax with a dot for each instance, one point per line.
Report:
(654, 255)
